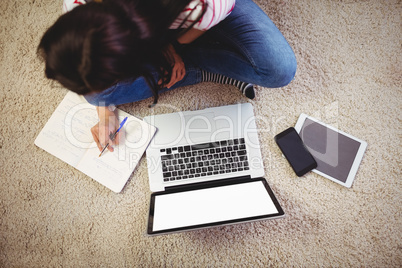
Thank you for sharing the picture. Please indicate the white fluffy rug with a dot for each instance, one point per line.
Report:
(349, 75)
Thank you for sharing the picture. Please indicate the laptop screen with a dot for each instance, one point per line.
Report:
(206, 207)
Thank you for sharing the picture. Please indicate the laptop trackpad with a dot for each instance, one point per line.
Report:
(176, 129)
(177, 211)
(199, 128)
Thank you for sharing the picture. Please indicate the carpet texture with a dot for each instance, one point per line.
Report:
(349, 75)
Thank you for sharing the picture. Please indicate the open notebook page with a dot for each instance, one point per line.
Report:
(67, 136)
(58, 138)
(113, 169)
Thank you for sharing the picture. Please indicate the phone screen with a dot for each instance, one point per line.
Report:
(295, 152)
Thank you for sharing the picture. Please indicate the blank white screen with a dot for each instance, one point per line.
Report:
(212, 205)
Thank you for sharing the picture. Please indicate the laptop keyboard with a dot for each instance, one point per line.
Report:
(205, 159)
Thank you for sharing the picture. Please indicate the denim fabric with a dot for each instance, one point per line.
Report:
(246, 46)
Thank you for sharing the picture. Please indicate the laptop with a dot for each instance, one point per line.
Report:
(205, 169)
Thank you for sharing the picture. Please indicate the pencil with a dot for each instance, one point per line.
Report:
(114, 135)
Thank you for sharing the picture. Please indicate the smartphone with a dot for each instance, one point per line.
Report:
(292, 146)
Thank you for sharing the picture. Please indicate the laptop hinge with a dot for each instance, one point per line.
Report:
(208, 184)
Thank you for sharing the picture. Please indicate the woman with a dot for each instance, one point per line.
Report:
(122, 51)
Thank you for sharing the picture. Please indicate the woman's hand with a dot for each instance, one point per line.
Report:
(178, 69)
(108, 123)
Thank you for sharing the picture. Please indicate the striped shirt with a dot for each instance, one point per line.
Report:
(68, 5)
(216, 11)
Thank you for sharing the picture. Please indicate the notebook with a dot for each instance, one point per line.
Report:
(67, 136)
(205, 169)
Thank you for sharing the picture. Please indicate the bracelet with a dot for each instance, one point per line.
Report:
(111, 107)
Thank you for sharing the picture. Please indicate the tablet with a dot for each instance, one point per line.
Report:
(210, 205)
(337, 153)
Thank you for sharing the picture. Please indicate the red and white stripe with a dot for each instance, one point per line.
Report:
(68, 5)
(216, 11)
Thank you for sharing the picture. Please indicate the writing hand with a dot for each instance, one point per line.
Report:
(108, 124)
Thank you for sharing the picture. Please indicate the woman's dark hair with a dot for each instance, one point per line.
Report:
(96, 45)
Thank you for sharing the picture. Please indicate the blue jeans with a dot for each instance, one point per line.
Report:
(246, 46)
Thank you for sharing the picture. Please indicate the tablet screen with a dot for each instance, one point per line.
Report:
(334, 152)
(219, 205)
